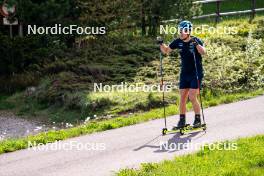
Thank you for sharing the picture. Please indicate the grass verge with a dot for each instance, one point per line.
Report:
(10, 145)
(246, 160)
(229, 6)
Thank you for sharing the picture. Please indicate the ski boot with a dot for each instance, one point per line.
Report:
(197, 121)
(181, 123)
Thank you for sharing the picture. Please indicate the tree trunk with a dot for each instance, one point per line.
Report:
(143, 20)
(20, 29)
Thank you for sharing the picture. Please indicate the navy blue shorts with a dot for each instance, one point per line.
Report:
(189, 82)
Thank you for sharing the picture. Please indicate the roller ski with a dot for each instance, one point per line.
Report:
(184, 128)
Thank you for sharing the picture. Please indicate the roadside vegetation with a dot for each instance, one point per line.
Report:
(94, 125)
(233, 64)
(247, 160)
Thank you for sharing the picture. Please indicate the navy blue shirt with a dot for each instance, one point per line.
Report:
(187, 60)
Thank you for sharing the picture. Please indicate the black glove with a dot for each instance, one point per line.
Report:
(159, 40)
(194, 41)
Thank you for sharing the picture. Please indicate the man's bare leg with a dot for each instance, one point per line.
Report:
(196, 106)
(183, 100)
(193, 98)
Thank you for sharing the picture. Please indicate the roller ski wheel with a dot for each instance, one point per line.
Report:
(204, 127)
(182, 131)
(164, 131)
(169, 131)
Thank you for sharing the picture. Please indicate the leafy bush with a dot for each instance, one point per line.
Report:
(234, 70)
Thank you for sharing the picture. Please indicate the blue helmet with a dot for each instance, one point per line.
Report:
(187, 25)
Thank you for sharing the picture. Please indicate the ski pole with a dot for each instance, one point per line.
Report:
(162, 85)
(198, 83)
(160, 41)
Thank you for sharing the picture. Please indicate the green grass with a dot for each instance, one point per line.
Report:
(246, 160)
(233, 5)
(10, 145)
(229, 6)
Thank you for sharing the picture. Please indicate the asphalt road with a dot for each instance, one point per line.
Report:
(106, 152)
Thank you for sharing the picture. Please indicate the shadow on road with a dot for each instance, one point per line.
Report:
(175, 143)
